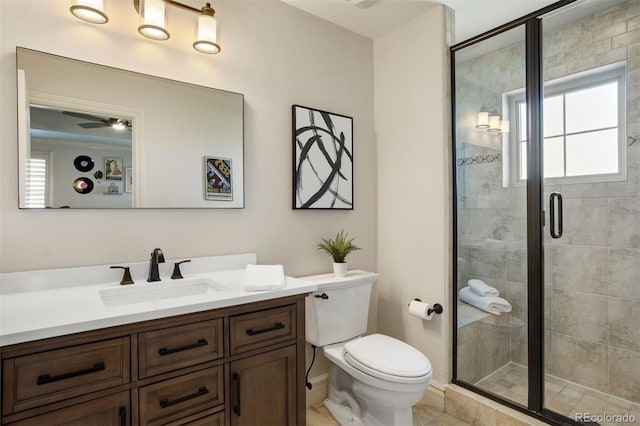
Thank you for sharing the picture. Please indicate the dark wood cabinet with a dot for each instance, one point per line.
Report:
(239, 365)
(113, 410)
(263, 389)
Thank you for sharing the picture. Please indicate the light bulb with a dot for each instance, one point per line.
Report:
(89, 10)
(483, 120)
(208, 32)
(153, 19)
(494, 124)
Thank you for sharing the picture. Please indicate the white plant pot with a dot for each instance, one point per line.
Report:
(340, 269)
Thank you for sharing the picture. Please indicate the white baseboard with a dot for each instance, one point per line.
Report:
(319, 389)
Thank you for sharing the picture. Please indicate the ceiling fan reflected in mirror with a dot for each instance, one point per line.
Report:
(97, 122)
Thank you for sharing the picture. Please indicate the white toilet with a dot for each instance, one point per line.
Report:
(375, 379)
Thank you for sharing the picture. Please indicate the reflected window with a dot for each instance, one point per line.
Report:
(583, 127)
(38, 185)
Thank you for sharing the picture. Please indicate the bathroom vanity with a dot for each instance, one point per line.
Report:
(229, 357)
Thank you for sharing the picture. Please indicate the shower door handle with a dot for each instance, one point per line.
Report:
(555, 203)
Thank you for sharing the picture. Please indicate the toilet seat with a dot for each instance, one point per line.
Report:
(388, 359)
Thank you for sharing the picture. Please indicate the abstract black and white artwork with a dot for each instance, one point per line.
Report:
(322, 160)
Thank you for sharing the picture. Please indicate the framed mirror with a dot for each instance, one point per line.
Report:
(92, 136)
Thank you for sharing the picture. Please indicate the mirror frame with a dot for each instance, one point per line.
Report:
(102, 108)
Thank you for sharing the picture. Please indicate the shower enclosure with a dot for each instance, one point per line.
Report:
(547, 211)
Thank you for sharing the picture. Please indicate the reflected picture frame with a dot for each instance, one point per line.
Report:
(218, 178)
(113, 169)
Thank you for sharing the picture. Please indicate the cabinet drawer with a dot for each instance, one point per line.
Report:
(170, 400)
(200, 419)
(109, 410)
(45, 377)
(177, 347)
(262, 328)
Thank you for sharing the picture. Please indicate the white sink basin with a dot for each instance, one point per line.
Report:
(160, 290)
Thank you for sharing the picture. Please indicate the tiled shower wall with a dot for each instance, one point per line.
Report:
(592, 273)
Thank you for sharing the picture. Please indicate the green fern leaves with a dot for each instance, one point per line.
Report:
(340, 248)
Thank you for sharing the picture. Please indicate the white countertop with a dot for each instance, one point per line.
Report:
(49, 312)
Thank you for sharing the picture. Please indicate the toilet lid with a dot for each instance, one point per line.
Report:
(385, 357)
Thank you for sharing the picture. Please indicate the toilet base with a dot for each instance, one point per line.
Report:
(342, 414)
(352, 402)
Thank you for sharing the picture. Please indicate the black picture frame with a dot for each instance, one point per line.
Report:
(322, 160)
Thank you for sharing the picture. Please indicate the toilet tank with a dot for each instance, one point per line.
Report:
(339, 309)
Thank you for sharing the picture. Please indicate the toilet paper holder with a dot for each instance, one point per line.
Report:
(437, 308)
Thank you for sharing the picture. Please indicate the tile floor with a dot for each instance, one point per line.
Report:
(423, 415)
(561, 395)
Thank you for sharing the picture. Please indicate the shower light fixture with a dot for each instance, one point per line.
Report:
(153, 20)
(494, 122)
(504, 127)
(483, 118)
(491, 121)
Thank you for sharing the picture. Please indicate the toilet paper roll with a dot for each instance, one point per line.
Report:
(420, 309)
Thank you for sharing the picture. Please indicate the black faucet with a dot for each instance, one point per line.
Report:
(156, 257)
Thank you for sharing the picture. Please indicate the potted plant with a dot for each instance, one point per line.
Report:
(338, 249)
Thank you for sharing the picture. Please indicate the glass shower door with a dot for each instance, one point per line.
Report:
(591, 131)
(491, 239)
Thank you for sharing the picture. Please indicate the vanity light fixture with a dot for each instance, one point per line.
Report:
(89, 10)
(208, 32)
(153, 20)
(153, 23)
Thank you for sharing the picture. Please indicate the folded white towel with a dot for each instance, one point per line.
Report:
(263, 277)
(481, 289)
(492, 304)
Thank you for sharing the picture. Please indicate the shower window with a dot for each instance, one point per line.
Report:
(584, 137)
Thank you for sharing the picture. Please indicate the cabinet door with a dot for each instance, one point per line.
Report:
(110, 410)
(263, 389)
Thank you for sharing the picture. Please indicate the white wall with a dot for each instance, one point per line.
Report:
(273, 53)
(277, 56)
(412, 126)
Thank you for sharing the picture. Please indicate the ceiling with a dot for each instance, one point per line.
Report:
(373, 18)
(54, 124)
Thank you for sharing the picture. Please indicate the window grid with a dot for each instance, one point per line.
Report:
(614, 74)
